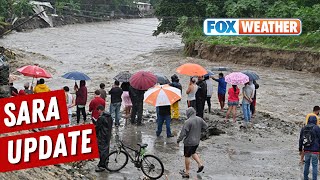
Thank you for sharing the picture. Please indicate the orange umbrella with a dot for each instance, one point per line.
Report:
(191, 69)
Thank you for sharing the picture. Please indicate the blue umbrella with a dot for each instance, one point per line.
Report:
(75, 75)
(209, 73)
(251, 74)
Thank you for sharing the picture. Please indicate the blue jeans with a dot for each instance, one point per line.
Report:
(314, 161)
(246, 112)
(115, 112)
(157, 110)
(160, 122)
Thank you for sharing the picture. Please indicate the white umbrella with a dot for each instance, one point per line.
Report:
(162, 95)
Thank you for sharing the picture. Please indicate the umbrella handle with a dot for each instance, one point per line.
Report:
(31, 83)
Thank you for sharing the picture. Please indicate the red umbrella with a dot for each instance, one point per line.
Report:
(34, 71)
(143, 80)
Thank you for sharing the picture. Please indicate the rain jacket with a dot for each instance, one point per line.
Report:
(315, 147)
(104, 128)
(40, 88)
(201, 93)
(192, 128)
(310, 115)
(82, 94)
(103, 133)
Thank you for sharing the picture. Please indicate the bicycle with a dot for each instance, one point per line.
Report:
(150, 165)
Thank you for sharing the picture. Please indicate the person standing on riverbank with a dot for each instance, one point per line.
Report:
(164, 115)
(175, 114)
(27, 88)
(246, 101)
(191, 92)
(222, 87)
(136, 97)
(209, 91)
(103, 93)
(13, 90)
(94, 104)
(116, 93)
(81, 100)
(315, 113)
(126, 99)
(309, 145)
(233, 102)
(70, 103)
(201, 96)
(191, 134)
(41, 87)
(254, 99)
(103, 132)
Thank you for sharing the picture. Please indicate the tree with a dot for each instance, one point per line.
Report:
(245, 9)
(282, 9)
(169, 11)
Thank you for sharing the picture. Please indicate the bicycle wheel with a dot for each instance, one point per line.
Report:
(117, 161)
(152, 167)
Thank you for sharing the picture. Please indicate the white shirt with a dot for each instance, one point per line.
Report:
(69, 103)
(209, 87)
(252, 87)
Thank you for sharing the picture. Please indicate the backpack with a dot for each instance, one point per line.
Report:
(308, 135)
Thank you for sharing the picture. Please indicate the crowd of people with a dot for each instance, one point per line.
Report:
(199, 91)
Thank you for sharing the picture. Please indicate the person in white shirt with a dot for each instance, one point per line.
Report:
(70, 103)
(209, 82)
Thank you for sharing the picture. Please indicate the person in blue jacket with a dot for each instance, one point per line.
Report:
(222, 88)
(310, 148)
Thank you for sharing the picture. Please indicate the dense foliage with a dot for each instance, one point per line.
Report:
(21, 8)
(11, 8)
(186, 17)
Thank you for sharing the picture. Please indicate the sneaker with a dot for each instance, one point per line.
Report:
(99, 169)
(200, 169)
(170, 136)
(185, 176)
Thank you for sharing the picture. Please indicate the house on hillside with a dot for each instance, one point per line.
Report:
(144, 8)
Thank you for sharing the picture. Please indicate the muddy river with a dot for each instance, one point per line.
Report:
(103, 49)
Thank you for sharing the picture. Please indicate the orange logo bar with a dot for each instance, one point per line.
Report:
(270, 26)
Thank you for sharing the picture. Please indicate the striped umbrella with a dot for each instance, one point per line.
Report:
(162, 95)
(236, 78)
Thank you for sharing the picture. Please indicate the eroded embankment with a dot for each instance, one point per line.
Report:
(256, 56)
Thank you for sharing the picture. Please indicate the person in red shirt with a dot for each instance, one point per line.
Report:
(95, 102)
(233, 101)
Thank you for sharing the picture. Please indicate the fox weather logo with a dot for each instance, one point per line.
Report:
(266, 27)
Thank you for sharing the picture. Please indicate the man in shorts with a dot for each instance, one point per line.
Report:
(191, 134)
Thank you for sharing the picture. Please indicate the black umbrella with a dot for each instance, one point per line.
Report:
(253, 76)
(162, 79)
(123, 76)
(221, 69)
